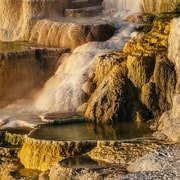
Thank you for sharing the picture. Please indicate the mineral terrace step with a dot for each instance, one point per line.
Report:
(83, 3)
(83, 12)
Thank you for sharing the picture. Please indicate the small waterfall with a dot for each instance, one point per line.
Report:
(71, 85)
(63, 91)
(18, 17)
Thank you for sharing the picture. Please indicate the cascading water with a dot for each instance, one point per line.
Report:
(68, 89)
(97, 76)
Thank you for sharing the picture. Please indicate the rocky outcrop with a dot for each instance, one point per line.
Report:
(169, 123)
(137, 85)
(158, 6)
(122, 152)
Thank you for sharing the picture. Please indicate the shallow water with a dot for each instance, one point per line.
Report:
(91, 131)
(13, 46)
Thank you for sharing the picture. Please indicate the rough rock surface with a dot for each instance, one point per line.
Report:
(146, 78)
(42, 154)
(18, 17)
(111, 92)
(169, 123)
(108, 160)
(122, 152)
(162, 163)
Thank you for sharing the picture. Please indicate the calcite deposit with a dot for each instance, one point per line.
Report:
(137, 81)
(146, 72)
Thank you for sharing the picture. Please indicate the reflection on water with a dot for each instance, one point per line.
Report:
(13, 46)
(90, 131)
(81, 162)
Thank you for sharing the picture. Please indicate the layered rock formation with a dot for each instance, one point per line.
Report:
(146, 79)
(22, 21)
(39, 154)
(29, 69)
(68, 34)
(18, 17)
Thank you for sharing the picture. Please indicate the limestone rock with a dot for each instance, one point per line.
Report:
(108, 100)
(168, 127)
(140, 69)
(149, 98)
(68, 35)
(174, 49)
(42, 154)
(113, 97)
(158, 6)
(83, 12)
(162, 158)
(18, 17)
(169, 123)
(165, 80)
(123, 153)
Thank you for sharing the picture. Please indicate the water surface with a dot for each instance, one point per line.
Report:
(13, 46)
(91, 131)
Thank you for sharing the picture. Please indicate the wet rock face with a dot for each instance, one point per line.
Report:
(41, 154)
(110, 99)
(69, 35)
(18, 17)
(28, 69)
(140, 85)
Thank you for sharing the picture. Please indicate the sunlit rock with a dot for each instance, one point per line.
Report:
(140, 69)
(158, 6)
(162, 158)
(168, 125)
(18, 17)
(42, 154)
(69, 35)
(111, 97)
(122, 153)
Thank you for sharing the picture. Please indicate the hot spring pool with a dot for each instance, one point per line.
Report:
(91, 131)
